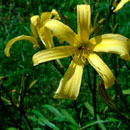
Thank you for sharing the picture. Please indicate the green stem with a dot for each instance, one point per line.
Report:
(93, 90)
(89, 80)
(78, 113)
(108, 18)
(94, 99)
(22, 96)
(58, 68)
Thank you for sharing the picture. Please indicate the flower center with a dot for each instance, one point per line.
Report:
(82, 52)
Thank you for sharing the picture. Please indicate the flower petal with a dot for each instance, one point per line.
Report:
(70, 84)
(46, 37)
(48, 15)
(102, 69)
(45, 16)
(62, 31)
(36, 21)
(35, 24)
(22, 37)
(55, 14)
(83, 21)
(34, 32)
(112, 43)
(120, 5)
(52, 54)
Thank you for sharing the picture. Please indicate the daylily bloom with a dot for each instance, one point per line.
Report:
(119, 5)
(38, 31)
(82, 49)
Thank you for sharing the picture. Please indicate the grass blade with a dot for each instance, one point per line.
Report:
(44, 120)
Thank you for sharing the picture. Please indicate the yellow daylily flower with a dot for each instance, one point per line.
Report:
(82, 49)
(119, 5)
(38, 31)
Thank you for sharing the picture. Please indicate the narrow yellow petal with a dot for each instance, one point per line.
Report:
(48, 15)
(83, 21)
(102, 69)
(115, 3)
(45, 16)
(45, 34)
(35, 20)
(52, 54)
(35, 25)
(112, 43)
(70, 84)
(120, 5)
(129, 44)
(62, 31)
(34, 32)
(55, 14)
(22, 37)
(46, 37)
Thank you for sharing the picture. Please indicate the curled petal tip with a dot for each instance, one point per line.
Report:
(22, 37)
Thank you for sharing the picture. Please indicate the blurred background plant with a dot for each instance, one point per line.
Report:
(27, 92)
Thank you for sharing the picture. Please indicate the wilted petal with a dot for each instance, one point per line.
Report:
(83, 21)
(52, 54)
(112, 43)
(102, 69)
(70, 84)
(62, 31)
(22, 37)
(120, 5)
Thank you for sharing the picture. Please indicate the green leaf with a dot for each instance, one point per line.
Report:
(72, 127)
(60, 116)
(126, 92)
(5, 100)
(37, 129)
(98, 122)
(89, 107)
(44, 121)
(71, 2)
(91, 111)
(33, 118)
(11, 128)
(69, 117)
